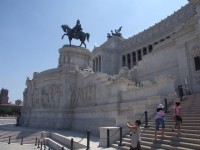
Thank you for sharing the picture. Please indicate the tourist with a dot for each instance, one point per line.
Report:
(135, 137)
(160, 120)
(177, 116)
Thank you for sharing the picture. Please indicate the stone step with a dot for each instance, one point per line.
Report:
(182, 130)
(188, 110)
(190, 105)
(127, 139)
(65, 141)
(120, 147)
(173, 143)
(170, 133)
(195, 108)
(184, 121)
(155, 145)
(54, 144)
(193, 101)
(169, 119)
(191, 111)
(168, 140)
(127, 147)
(185, 117)
(183, 126)
(191, 108)
(144, 147)
(168, 137)
(169, 125)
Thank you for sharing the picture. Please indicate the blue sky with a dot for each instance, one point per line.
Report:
(30, 32)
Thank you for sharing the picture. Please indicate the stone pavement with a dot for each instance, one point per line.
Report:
(29, 135)
(15, 146)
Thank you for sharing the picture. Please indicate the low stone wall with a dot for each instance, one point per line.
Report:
(8, 120)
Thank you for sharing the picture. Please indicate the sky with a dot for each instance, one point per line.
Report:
(30, 31)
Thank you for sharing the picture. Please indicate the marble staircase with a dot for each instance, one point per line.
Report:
(188, 139)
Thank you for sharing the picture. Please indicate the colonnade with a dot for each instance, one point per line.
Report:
(131, 59)
(97, 64)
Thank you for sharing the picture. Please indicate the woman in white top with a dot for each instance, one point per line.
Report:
(135, 137)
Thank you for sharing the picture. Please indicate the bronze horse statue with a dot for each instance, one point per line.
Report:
(71, 34)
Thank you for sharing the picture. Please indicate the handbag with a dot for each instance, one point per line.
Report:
(179, 118)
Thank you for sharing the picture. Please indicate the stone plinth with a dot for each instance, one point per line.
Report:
(113, 135)
(74, 57)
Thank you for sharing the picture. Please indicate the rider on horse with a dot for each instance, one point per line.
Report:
(77, 27)
(76, 33)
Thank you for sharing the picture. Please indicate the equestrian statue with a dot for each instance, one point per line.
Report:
(76, 33)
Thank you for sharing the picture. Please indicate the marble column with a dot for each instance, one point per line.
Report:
(136, 56)
(97, 68)
(126, 61)
(131, 59)
(99, 58)
(94, 65)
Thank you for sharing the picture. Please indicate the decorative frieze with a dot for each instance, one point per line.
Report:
(83, 96)
(44, 97)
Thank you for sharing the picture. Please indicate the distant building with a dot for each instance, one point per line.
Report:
(8, 108)
(4, 96)
(19, 102)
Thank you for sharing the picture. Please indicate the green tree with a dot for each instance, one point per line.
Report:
(2, 111)
(9, 111)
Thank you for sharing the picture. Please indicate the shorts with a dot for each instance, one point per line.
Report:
(160, 121)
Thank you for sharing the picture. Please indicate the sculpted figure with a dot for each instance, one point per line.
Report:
(112, 32)
(118, 30)
(108, 35)
(76, 33)
(77, 27)
(117, 33)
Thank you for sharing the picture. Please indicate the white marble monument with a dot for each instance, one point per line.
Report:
(130, 76)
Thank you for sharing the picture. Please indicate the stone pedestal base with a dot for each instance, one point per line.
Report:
(114, 134)
(76, 57)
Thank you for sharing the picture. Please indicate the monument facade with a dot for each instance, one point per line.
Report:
(119, 80)
(169, 47)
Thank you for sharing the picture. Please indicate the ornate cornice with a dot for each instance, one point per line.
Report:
(194, 1)
(163, 28)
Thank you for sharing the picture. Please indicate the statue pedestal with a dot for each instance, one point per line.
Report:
(74, 57)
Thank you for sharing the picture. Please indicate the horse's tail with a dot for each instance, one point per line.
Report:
(88, 36)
